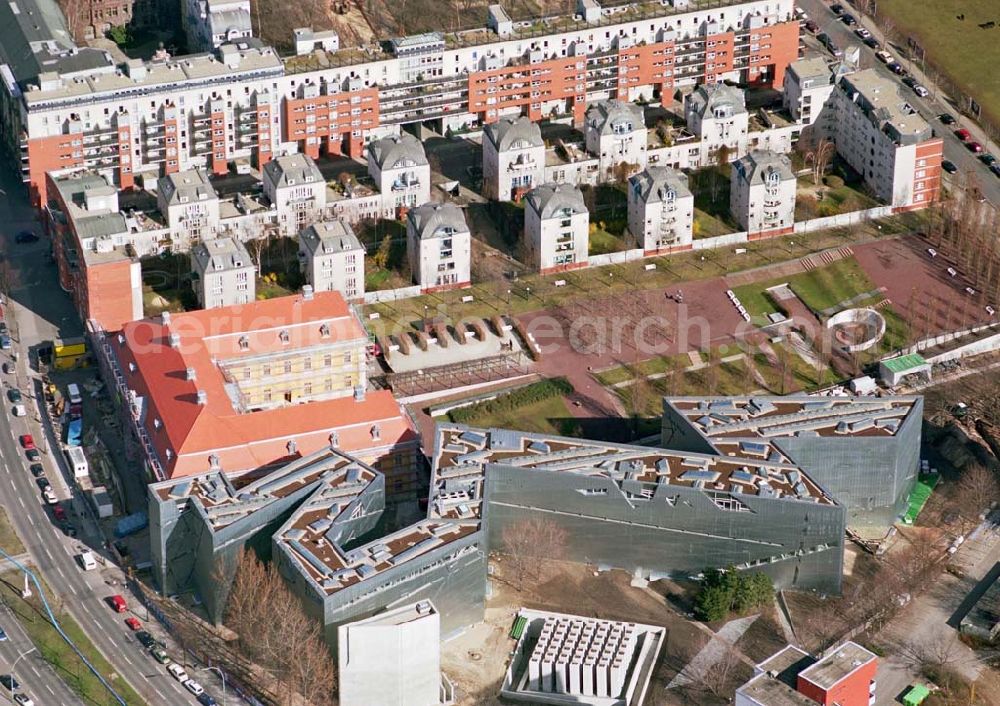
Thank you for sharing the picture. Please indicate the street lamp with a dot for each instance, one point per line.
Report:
(222, 676)
(13, 667)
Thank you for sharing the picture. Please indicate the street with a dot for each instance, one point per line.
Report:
(41, 311)
(929, 107)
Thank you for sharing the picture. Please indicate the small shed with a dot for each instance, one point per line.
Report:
(893, 370)
(864, 385)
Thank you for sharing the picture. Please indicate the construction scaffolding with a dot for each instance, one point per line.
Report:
(446, 377)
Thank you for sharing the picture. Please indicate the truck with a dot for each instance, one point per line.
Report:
(77, 462)
(74, 432)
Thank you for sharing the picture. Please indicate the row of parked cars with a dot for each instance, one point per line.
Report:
(157, 650)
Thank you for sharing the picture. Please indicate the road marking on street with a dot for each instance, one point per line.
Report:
(46, 685)
(21, 501)
(125, 656)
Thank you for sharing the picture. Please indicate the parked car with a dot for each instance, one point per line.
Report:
(3, 635)
(848, 20)
(837, 9)
(50, 496)
(872, 43)
(59, 512)
(14, 395)
(9, 681)
(995, 168)
(145, 639)
(133, 624)
(949, 167)
(178, 673)
(921, 91)
(8, 368)
(69, 529)
(884, 56)
(946, 119)
(36, 469)
(963, 134)
(5, 342)
(862, 33)
(32, 455)
(42, 483)
(19, 410)
(194, 687)
(205, 700)
(23, 700)
(987, 159)
(160, 655)
(831, 45)
(974, 147)
(25, 236)
(117, 603)
(897, 68)
(811, 27)
(27, 441)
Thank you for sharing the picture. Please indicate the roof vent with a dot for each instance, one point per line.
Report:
(175, 340)
(202, 397)
(189, 374)
(165, 316)
(307, 292)
(423, 607)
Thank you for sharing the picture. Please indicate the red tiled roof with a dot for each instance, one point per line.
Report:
(243, 441)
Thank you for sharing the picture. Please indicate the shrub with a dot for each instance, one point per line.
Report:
(731, 590)
(521, 397)
(834, 182)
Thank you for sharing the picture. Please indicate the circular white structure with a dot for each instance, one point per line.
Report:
(846, 324)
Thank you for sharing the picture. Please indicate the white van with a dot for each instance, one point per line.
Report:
(73, 392)
(19, 410)
(87, 561)
(77, 461)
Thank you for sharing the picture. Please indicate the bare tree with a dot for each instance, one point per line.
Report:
(977, 489)
(526, 542)
(824, 152)
(717, 677)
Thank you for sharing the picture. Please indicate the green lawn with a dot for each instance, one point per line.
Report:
(728, 379)
(70, 668)
(9, 541)
(708, 226)
(819, 289)
(602, 242)
(968, 54)
(842, 199)
(539, 407)
(801, 377)
(651, 366)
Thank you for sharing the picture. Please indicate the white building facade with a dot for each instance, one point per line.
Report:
(615, 133)
(225, 274)
(513, 158)
(295, 187)
(556, 228)
(717, 115)
(332, 258)
(400, 169)
(762, 194)
(439, 246)
(660, 210)
(190, 206)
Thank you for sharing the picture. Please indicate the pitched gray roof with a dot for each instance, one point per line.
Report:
(186, 186)
(220, 254)
(295, 167)
(329, 237)
(509, 132)
(555, 200)
(707, 98)
(437, 220)
(391, 151)
(755, 166)
(652, 184)
(604, 115)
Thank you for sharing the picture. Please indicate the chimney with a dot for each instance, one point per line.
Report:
(359, 393)
(165, 316)
(307, 292)
(175, 340)
(202, 397)
(189, 374)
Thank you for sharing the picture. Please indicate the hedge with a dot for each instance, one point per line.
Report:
(521, 397)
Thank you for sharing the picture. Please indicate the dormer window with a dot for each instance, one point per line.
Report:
(324, 330)
(376, 432)
(244, 343)
(772, 178)
(284, 337)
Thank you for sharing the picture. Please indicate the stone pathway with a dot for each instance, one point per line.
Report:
(712, 653)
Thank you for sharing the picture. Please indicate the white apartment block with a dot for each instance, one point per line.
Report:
(212, 23)
(886, 141)
(399, 167)
(296, 188)
(615, 132)
(332, 258)
(190, 206)
(224, 273)
(439, 246)
(717, 115)
(762, 194)
(556, 228)
(660, 209)
(246, 102)
(808, 86)
(513, 157)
